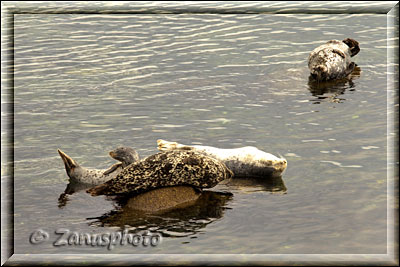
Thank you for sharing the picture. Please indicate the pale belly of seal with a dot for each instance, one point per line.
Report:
(165, 169)
(243, 162)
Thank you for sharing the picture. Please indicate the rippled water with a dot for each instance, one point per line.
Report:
(89, 83)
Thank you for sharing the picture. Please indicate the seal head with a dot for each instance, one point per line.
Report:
(124, 154)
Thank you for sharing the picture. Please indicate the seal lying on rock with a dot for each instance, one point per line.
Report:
(79, 174)
(243, 162)
(164, 169)
(333, 59)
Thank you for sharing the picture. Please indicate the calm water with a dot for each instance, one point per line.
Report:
(89, 83)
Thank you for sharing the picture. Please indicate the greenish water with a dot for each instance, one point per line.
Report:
(89, 83)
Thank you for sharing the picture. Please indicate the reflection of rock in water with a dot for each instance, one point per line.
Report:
(182, 220)
(334, 87)
(273, 184)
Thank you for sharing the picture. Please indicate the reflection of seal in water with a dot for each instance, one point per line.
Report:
(164, 169)
(333, 88)
(333, 59)
(245, 185)
(243, 162)
(79, 174)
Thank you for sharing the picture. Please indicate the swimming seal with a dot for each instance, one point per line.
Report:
(79, 174)
(243, 162)
(165, 169)
(333, 59)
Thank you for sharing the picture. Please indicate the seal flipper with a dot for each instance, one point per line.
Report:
(112, 168)
(98, 190)
(353, 45)
(340, 53)
(167, 146)
(350, 69)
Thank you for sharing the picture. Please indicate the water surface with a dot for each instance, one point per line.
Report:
(87, 83)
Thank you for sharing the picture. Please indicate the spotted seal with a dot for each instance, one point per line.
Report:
(165, 169)
(243, 162)
(332, 60)
(79, 174)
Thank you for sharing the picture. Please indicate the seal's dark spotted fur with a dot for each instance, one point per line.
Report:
(166, 169)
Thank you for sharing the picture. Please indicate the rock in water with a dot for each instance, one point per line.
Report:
(165, 198)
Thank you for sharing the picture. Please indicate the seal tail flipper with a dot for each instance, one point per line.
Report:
(98, 190)
(68, 161)
(165, 145)
(353, 45)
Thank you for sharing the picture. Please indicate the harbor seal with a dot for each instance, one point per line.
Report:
(243, 162)
(79, 174)
(332, 60)
(165, 169)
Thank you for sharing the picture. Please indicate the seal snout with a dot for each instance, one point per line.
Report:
(284, 164)
(280, 165)
(319, 72)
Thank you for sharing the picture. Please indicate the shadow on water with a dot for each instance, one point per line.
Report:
(183, 220)
(332, 89)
